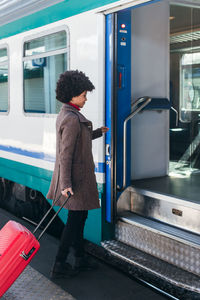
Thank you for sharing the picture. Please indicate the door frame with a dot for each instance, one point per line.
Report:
(112, 192)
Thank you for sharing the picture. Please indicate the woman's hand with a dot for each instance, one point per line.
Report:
(65, 192)
(104, 129)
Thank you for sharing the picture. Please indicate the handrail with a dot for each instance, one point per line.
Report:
(176, 115)
(146, 100)
(139, 100)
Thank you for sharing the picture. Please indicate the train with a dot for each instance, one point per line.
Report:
(143, 57)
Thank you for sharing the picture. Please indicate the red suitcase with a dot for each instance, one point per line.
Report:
(17, 248)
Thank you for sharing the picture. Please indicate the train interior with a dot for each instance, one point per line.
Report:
(157, 164)
(165, 158)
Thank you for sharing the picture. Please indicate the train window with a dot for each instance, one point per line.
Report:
(47, 43)
(45, 58)
(189, 81)
(184, 89)
(3, 80)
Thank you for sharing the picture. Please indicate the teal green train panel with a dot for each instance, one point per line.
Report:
(39, 179)
(27, 175)
(49, 15)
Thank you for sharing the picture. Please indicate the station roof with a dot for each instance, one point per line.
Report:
(11, 10)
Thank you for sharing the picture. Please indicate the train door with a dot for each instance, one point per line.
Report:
(151, 210)
(118, 95)
(137, 92)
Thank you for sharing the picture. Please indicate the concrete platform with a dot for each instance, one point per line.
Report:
(32, 285)
(105, 283)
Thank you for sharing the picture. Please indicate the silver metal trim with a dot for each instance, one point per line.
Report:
(24, 256)
(46, 54)
(31, 37)
(113, 8)
(178, 253)
(163, 197)
(189, 3)
(45, 32)
(159, 290)
(176, 114)
(161, 229)
(30, 221)
(146, 100)
(28, 255)
(155, 266)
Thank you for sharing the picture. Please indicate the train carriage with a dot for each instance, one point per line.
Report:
(143, 57)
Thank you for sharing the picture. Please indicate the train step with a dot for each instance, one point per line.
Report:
(158, 234)
(161, 206)
(175, 282)
(168, 243)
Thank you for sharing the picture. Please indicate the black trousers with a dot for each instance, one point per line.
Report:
(72, 235)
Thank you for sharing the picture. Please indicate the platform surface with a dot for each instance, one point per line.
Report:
(32, 285)
(105, 283)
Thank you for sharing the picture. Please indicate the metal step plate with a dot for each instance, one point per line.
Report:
(165, 246)
(173, 210)
(167, 276)
(32, 285)
(162, 228)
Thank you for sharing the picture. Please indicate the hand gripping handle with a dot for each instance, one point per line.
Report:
(47, 213)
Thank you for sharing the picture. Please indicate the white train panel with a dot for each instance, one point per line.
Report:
(30, 138)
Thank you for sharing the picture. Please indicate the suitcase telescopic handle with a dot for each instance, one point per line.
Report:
(47, 213)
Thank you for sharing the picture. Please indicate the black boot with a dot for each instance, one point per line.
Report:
(62, 270)
(85, 263)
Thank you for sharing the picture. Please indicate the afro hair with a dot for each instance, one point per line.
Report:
(72, 84)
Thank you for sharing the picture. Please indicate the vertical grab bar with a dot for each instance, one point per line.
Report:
(146, 100)
(172, 108)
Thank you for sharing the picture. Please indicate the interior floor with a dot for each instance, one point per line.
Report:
(187, 188)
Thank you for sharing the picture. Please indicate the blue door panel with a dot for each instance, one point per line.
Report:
(123, 104)
(118, 101)
(108, 118)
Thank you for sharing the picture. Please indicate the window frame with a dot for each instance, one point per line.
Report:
(181, 68)
(65, 50)
(6, 46)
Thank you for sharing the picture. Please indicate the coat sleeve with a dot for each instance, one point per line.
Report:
(96, 133)
(69, 130)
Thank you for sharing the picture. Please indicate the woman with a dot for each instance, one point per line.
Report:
(74, 168)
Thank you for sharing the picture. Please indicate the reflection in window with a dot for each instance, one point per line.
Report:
(3, 80)
(46, 43)
(41, 72)
(185, 90)
(190, 82)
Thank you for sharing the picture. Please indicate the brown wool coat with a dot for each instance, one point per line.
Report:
(74, 166)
